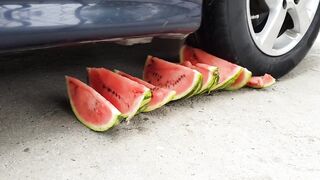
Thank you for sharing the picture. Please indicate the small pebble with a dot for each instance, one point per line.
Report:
(145, 119)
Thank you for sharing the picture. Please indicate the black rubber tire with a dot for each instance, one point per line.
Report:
(224, 32)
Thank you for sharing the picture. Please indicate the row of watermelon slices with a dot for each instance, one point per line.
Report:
(113, 96)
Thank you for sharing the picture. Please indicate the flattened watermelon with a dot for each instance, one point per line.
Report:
(183, 80)
(160, 96)
(228, 72)
(126, 95)
(90, 108)
(242, 80)
(209, 75)
(259, 82)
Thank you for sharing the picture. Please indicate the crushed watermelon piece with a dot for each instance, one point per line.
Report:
(259, 82)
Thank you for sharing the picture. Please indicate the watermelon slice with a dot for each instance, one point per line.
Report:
(183, 80)
(126, 95)
(242, 80)
(160, 96)
(261, 81)
(228, 72)
(209, 75)
(90, 108)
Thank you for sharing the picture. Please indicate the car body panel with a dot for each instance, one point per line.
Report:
(29, 24)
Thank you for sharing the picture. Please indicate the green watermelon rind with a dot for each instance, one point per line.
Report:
(113, 122)
(145, 98)
(212, 82)
(248, 75)
(194, 88)
(162, 103)
(119, 120)
(269, 84)
(216, 81)
(264, 86)
(145, 102)
(228, 81)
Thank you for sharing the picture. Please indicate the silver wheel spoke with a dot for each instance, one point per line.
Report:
(269, 34)
(300, 16)
(272, 3)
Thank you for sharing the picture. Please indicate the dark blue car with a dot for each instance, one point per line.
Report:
(263, 35)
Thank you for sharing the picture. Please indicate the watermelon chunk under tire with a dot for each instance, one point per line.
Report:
(160, 96)
(228, 72)
(183, 80)
(90, 108)
(126, 95)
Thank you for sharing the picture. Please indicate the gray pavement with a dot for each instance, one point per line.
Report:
(248, 134)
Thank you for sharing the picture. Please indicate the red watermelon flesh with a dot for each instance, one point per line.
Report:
(90, 107)
(228, 72)
(183, 80)
(160, 96)
(242, 80)
(126, 95)
(209, 75)
(261, 81)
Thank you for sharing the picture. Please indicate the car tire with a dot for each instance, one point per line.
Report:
(225, 32)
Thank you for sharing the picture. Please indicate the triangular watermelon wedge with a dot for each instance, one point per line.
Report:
(126, 95)
(90, 108)
(228, 72)
(160, 96)
(183, 80)
(260, 82)
(209, 75)
(242, 80)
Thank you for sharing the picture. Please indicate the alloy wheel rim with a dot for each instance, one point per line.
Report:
(277, 26)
